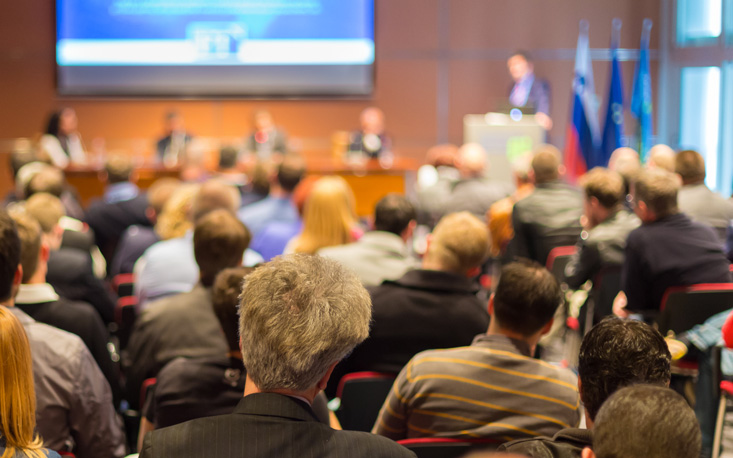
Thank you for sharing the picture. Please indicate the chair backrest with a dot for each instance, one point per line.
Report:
(685, 306)
(558, 259)
(606, 285)
(123, 284)
(442, 447)
(362, 395)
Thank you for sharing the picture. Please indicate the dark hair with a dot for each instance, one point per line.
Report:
(228, 157)
(29, 233)
(524, 54)
(290, 172)
(617, 353)
(526, 297)
(690, 165)
(53, 122)
(219, 241)
(393, 213)
(225, 296)
(644, 421)
(9, 254)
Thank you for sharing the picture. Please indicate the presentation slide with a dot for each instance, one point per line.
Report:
(215, 47)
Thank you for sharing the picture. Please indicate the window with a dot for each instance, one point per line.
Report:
(699, 22)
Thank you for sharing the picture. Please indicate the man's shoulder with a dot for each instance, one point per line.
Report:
(567, 443)
(52, 346)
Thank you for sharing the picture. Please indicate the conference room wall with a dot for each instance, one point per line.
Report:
(437, 60)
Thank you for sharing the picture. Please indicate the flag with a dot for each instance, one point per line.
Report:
(581, 140)
(641, 97)
(613, 129)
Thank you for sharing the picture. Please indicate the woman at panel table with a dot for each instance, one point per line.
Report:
(62, 142)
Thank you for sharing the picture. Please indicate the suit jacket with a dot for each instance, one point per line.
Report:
(539, 96)
(705, 206)
(70, 272)
(266, 425)
(110, 220)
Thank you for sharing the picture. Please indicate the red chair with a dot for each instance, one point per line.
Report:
(685, 306)
(123, 284)
(442, 447)
(558, 259)
(362, 395)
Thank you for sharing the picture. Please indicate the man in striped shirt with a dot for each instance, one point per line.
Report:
(492, 389)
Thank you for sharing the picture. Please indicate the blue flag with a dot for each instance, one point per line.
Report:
(613, 129)
(641, 97)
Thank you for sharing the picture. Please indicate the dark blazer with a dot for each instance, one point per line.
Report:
(71, 275)
(131, 247)
(539, 96)
(110, 220)
(266, 425)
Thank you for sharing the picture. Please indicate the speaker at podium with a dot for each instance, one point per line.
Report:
(504, 136)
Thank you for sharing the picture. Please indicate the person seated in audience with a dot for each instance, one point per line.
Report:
(696, 200)
(122, 206)
(661, 156)
(69, 270)
(614, 354)
(21, 154)
(185, 324)
(61, 141)
(228, 170)
(171, 148)
(330, 310)
(278, 205)
(494, 388)
(371, 140)
(18, 437)
(499, 216)
(600, 247)
(190, 388)
(74, 408)
(267, 140)
(645, 421)
(625, 161)
(435, 306)
(259, 186)
(40, 301)
(434, 182)
(273, 239)
(39, 177)
(168, 267)
(550, 216)
(474, 192)
(329, 217)
(381, 254)
(138, 238)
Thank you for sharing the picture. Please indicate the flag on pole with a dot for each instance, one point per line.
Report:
(613, 129)
(581, 140)
(641, 97)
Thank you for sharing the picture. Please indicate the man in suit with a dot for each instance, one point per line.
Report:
(171, 148)
(299, 315)
(529, 91)
(381, 254)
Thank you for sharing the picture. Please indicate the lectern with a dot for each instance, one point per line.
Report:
(505, 137)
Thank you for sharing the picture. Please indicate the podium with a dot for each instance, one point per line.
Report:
(504, 137)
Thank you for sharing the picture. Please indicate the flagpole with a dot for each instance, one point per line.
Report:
(616, 32)
(646, 30)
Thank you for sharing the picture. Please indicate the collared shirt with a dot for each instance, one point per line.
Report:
(119, 192)
(493, 389)
(36, 294)
(73, 400)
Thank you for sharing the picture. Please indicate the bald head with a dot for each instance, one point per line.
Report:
(661, 157)
(471, 160)
(546, 164)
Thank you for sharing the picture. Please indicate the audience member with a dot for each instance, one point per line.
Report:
(22, 154)
(138, 238)
(39, 177)
(171, 148)
(668, 249)
(600, 247)
(39, 300)
(228, 170)
(185, 324)
(625, 161)
(69, 270)
(61, 141)
(550, 216)
(696, 200)
(259, 186)
(330, 310)
(434, 181)
(329, 217)
(474, 192)
(267, 139)
(278, 205)
(371, 140)
(499, 216)
(381, 254)
(614, 354)
(661, 156)
(432, 307)
(18, 401)
(121, 207)
(73, 400)
(645, 422)
(491, 389)
(168, 267)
